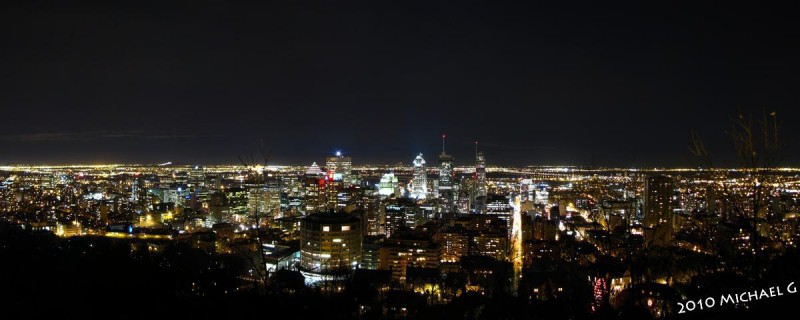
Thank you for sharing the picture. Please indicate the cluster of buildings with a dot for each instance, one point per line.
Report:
(414, 225)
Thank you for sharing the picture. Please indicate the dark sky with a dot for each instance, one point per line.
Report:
(573, 83)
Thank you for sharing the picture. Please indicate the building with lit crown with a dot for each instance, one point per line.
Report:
(341, 168)
(419, 184)
(388, 186)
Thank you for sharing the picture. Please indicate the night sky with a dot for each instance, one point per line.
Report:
(205, 81)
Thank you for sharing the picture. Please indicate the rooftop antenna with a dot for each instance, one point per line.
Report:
(476, 148)
(443, 136)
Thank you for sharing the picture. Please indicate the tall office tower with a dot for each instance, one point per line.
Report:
(399, 213)
(480, 175)
(371, 220)
(258, 201)
(314, 193)
(274, 189)
(479, 188)
(314, 189)
(419, 184)
(659, 219)
(197, 178)
(330, 245)
(464, 202)
(445, 181)
(332, 189)
(341, 167)
(135, 190)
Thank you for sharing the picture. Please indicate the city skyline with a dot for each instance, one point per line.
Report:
(604, 84)
(475, 160)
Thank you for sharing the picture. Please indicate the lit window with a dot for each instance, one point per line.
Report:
(345, 228)
(326, 228)
(337, 240)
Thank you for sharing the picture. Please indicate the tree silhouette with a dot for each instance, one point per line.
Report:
(757, 145)
(260, 176)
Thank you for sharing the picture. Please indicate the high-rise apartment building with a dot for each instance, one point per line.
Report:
(659, 218)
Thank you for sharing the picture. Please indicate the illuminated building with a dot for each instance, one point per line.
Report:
(69, 229)
(419, 184)
(491, 244)
(480, 175)
(445, 181)
(330, 245)
(277, 257)
(258, 201)
(526, 190)
(454, 242)
(236, 205)
(542, 196)
(370, 252)
(371, 220)
(659, 219)
(388, 186)
(333, 189)
(463, 202)
(313, 185)
(408, 249)
(399, 213)
(616, 213)
(499, 205)
(135, 190)
(487, 235)
(314, 170)
(337, 181)
(341, 168)
(274, 188)
(197, 178)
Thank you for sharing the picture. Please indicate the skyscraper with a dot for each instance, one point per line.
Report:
(419, 184)
(659, 219)
(479, 191)
(445, 180)
(480, 175)
(314, 189)
(197, 178)
(341, 167)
